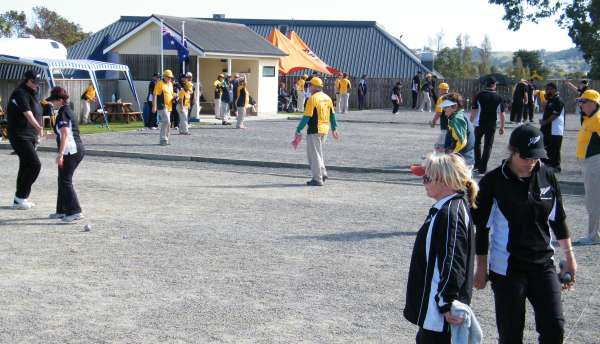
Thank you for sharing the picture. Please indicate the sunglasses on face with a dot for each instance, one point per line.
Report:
(426, 180)
(583, 101)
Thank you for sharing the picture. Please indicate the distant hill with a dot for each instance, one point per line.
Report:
(569, 60)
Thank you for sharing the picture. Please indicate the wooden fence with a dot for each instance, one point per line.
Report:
(380, 90)
(74, 87)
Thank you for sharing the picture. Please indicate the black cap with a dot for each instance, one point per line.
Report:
(156, 75)
(552, 85)
(529, 142)
(31, 75)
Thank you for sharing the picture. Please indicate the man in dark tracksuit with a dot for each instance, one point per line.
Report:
(415, 86)
(514, 216)
(519, 102)
(152, 123)
(24, 113)
(553, 126)
(529, 108)
(487, 107)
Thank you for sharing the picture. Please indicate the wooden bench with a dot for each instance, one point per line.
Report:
(97, 117)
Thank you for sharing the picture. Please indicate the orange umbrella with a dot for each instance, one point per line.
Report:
(296, 58)
(293, 36)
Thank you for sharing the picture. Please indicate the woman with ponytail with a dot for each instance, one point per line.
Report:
(440, 278)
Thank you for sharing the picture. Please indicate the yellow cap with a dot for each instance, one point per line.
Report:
(316, 81)
(304, 76)
(592, 95)
(444, 86)
(168, 74)
(220, 75)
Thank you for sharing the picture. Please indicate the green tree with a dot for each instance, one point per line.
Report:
(448, 63)
(49, 24)
(531, 60)
(580, 17)
(519, 71)
(13, 23)
(485, 54)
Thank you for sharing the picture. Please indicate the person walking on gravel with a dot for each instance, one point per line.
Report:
(163, 104)
(319, 115)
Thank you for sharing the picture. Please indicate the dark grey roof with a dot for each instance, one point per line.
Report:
(92, 47)
(220, 37)
(355, 47)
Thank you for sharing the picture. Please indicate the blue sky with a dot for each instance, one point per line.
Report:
(416, 21)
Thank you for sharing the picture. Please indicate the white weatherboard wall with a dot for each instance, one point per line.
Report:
(267, 87)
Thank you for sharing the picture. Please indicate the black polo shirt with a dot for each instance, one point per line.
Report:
(554, 107)
(489, 105)
(22, 99)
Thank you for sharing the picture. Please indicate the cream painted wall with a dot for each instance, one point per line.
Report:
(144, 42)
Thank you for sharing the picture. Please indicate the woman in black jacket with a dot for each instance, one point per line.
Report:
(441, 267)
(519, 202)
(70, 154)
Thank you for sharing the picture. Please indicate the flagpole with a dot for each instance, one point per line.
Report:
(161, 47)
(183, 40)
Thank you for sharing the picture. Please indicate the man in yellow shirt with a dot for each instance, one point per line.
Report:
(319, 116)
(344, 93)
(588, 153)
(163, 104)
(300, 95)
(337, 93)
(218, 93)
(88, 97)
(183, 107)
(444, 89)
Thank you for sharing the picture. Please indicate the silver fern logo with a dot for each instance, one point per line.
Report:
(534, 140)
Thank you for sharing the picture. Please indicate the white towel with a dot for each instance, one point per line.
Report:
(469, 332)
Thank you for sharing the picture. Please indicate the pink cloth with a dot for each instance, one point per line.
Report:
(297, 140)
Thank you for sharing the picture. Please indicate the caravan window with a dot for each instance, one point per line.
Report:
(54, 45)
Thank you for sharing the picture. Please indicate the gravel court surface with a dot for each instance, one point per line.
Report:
(184, 255)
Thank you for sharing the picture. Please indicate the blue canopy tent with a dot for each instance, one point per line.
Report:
(49, 66)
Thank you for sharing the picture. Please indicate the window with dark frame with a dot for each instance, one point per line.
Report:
(269, 71)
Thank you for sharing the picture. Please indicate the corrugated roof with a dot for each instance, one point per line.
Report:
(222, 37)
(355, 47)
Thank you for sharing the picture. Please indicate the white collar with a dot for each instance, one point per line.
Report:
(438, 205)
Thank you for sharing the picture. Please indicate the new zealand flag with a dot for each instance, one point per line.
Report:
(172, 43)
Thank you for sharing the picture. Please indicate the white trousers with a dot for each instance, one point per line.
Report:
(344, 99)
(314, 148)
(217, 103)
(425, 102)
(591, 183)
(183, 119)
(165, 124)
(85, 112)
(225, 111)
(301, 99)
(241, 115)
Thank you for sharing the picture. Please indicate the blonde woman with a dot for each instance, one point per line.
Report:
(440, 278)
(242, 102)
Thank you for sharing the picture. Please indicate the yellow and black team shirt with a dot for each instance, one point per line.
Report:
(588, 139)
(164, 95)
(183, 94)
(344, 86)
(218, 89)
(90, 93)
(242, 97)
(438, 109)
(319, 108)
(300, 85)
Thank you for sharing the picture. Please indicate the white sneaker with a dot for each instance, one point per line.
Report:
(73, 218)
(22, 204)
(56, 216)
(586, 241)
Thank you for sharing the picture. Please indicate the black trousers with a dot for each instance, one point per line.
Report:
(396, 106)
(529, 110)
(66, 200)
(29, 165)
(151, 118)
(415, 97)
(516, 112)
(481, 159)
(431, 337)
(553, 144)
(362, 101)
(542, 288)
(174, 118)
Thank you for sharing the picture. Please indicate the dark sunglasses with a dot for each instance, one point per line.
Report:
(583, 101)
(426, 180)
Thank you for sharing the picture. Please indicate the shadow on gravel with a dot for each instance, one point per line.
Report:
(352, 236)
(258, 186)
